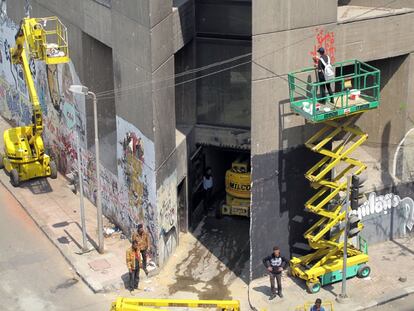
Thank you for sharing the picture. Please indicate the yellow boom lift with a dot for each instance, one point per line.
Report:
(24, 156)
(357, 91)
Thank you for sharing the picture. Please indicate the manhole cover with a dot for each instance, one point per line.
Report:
(99, 264)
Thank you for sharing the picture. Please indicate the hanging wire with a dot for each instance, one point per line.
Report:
(111, 94)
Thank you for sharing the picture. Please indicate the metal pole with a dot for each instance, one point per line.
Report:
(345, 250)
(98, 182)
(82, 206)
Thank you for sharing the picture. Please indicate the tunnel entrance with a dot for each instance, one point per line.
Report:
(225, 236)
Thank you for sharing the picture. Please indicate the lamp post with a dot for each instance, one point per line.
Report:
(80, 89)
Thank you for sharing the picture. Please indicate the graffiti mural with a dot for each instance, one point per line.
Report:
(382, 204)
(167, 216)
(386, 216)
(136, 178)
(325, 40)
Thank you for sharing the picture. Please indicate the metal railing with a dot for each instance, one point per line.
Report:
(353, 77)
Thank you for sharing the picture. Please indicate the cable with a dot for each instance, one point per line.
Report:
(192, 71)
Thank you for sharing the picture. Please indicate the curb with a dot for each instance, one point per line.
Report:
(96, 287)
(394, 295)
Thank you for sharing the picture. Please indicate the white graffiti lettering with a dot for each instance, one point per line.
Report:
(377, 204)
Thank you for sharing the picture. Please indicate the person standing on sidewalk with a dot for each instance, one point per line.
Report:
(133, 261)
(144, 246)
(317, 306)
(275, 265)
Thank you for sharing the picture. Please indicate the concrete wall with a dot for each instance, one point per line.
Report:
(379, 3)
(183, 23)
(281, 46)
(143, 52)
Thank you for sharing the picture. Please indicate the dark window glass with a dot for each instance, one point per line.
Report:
(224, 98)
(224, 17)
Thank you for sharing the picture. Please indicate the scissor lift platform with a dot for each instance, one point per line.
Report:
(356, 88)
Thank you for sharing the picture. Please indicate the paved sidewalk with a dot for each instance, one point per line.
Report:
(389, 262)
(55, 209)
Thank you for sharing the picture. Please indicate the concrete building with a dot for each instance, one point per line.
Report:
(186, 84)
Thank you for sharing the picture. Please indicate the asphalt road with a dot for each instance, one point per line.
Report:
(33, 274)
(403, 304)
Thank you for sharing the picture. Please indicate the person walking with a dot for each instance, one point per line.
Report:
(275, 263)
(324, 61)
(133, 261)
(317, 306)
(208, 188)
(144, 245)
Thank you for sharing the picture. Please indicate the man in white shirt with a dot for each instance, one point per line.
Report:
(208, 188)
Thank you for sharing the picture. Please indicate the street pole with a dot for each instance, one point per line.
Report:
(98, 181)
(343, 295)
(82, 206)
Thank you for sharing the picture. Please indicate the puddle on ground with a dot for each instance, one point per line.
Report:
(220, 255)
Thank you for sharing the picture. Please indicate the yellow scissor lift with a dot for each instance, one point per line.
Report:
(357, 87)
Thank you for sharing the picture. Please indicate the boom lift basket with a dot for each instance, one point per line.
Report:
(50, 40)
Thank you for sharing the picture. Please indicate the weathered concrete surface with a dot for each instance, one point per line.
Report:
(222, 137)
(388, 261)
(183, 23)
(351, 13)
(285, 15)
(34, 274)
(379, 3)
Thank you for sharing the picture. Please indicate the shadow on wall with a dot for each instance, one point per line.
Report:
(386, 177)
(279, 193)
(295, 189)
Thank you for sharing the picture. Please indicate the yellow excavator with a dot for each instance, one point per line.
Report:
(24, 157)
(237, 183)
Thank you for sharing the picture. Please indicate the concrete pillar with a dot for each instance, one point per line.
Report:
(283, 38)
(143, 68)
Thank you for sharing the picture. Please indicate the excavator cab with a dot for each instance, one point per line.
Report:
(24, 157)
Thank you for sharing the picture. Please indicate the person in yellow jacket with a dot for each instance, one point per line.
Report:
(144, 245)
(134, 262)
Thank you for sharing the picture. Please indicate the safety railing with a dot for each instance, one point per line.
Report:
(356, 87)
(53, 40)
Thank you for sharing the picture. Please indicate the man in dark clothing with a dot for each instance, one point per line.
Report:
(275, 265)
(321, 75)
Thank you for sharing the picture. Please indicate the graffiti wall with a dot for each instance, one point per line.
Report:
(386, 216)
(327, 41)
(136, 178)
(167, 213)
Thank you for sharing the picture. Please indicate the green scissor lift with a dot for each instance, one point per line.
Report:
(353, 73)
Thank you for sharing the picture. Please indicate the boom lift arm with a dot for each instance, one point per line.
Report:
(43, 39)
(25, 42)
